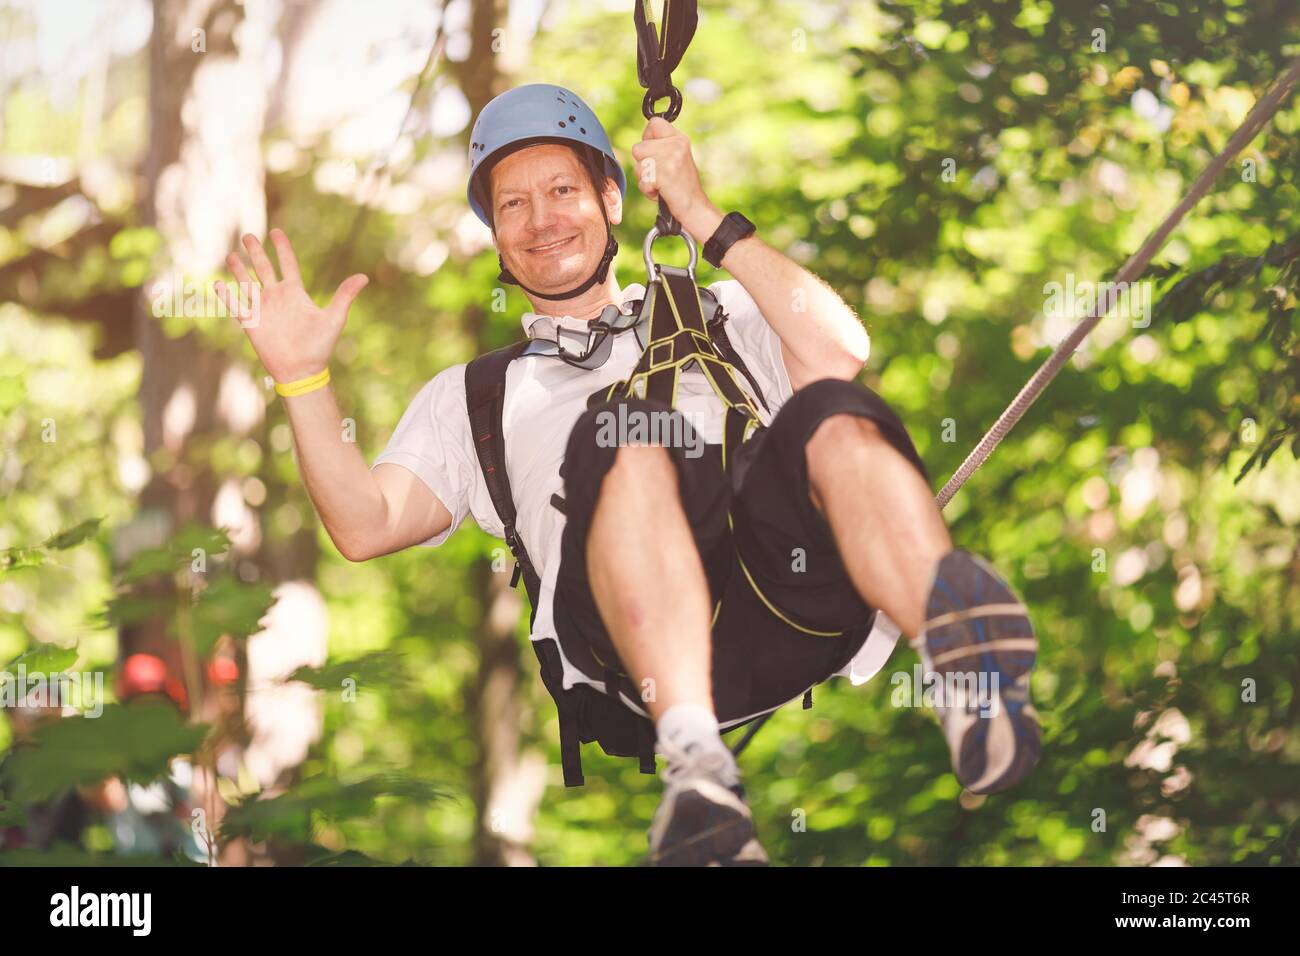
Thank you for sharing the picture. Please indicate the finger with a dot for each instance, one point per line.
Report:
(647, 179)
(237, 299)
(648, 147)
(347, 291)
(235, 263)
(244, 289)
(224, 293)
(261, 264)
(284, 252)
(659, 128)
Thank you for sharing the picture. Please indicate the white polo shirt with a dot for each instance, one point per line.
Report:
(543, 400)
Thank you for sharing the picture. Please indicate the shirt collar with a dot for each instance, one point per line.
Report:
(549, 326)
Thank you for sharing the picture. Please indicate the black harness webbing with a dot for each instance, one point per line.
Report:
(679, 336)
(485, 391)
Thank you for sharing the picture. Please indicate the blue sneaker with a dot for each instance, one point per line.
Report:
(978, 638)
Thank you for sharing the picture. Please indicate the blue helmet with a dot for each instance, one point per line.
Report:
(541, 113)
(535, 112)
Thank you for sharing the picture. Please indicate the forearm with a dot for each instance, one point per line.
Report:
(820, 334)
(338, 480)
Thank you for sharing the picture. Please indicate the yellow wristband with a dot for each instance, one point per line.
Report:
(304, 385)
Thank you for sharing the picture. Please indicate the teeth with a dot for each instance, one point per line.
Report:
(551, 245)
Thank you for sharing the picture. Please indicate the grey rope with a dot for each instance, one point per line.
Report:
(1131, 270)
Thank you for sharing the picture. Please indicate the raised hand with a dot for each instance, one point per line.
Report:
(291, 334)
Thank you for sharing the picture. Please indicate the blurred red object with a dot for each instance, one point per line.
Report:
(147, 674)
(222, 670)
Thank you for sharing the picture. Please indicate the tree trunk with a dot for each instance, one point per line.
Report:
(507, 785)
(203, 188)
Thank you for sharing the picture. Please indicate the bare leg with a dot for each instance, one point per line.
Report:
(648, 580)
(887, 527)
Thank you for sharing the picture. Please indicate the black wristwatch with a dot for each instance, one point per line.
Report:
(733, 228)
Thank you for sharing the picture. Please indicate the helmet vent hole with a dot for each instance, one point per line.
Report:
(562, 123)
(573, 119)
(582, 129)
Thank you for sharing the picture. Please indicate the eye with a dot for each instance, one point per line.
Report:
(570, 188)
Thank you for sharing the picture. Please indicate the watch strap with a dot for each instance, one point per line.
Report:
(731, 230)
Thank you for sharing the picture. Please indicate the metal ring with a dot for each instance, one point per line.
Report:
(674, 104)
(650, 238)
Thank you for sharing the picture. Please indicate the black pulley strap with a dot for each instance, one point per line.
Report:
(657, 55)
(659, 52)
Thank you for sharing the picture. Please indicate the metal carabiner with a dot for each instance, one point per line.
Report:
(650, 238)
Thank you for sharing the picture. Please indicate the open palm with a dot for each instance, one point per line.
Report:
(291, 334)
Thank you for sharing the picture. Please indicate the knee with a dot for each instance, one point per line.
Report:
(600, 457)
(836, 436)
(639, 468)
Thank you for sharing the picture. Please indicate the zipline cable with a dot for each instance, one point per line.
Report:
(1131, 270)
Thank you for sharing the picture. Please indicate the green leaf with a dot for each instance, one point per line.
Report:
(382, 669)
(153, 561)
(177, 554)
(287, 814)
(73, 536)
(212, 541)
(13, 558)
(47, 658)
(229, 607)
(134, 741)
(128, 608)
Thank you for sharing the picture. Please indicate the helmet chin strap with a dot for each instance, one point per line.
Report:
(602, 270)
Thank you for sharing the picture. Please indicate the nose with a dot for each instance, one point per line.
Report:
(541, 215)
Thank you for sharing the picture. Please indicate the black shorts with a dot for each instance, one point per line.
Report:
(788, 616)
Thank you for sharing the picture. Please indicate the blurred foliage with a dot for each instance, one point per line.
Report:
(939, 164)
(134, 741)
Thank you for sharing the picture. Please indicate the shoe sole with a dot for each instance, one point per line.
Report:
(719, 834)
(972, 613)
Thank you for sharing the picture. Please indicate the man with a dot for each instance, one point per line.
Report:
(718, 592)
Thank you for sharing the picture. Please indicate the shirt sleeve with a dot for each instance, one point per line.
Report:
(433, 441)
(755, 340)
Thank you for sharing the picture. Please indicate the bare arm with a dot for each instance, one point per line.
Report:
(821, 336)
(366, 513)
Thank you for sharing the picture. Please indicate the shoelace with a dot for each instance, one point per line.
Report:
(695, 761)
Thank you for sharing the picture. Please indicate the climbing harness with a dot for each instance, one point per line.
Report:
(596, 341)
(678, 339)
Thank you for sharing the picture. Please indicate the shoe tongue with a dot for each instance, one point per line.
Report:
(716, 762)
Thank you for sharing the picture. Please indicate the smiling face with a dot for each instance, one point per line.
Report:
(547, 216)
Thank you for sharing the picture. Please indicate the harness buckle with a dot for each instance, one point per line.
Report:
(650, 238)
